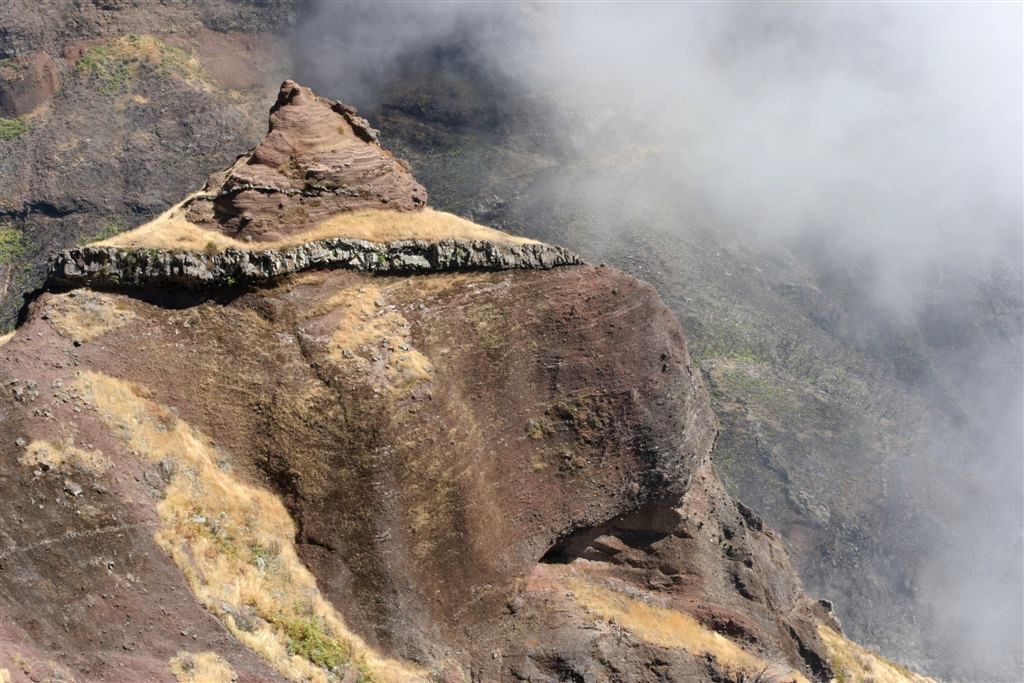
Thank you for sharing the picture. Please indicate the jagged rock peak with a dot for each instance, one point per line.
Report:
(318, 159)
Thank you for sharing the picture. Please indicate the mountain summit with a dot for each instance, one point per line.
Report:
(491, 464)
(318, 159)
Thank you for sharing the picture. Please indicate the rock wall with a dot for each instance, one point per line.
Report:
(117, 267)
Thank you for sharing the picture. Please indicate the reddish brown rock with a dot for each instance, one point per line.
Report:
(318, 159)
(26, 82)
(76, 49)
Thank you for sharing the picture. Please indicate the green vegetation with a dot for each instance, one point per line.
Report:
(261, 557)
(116, 63)
(218, 530)
(11, 129)
(587, 416)
(111, 73)
(308, 638)
(12, 245)
(11, 69)
(538, 430)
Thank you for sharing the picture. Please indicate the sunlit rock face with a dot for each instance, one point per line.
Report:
(318, 159)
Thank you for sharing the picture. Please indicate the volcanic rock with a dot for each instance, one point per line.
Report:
(427, 459)
(114, 267)
(318, 159)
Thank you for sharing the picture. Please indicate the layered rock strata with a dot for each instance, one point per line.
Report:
(318, 159)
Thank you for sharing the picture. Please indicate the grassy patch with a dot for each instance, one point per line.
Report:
(216, 528)
(12, 245)
(851, 662)
(671, 628)
(308, 638)
(11, 129)
(115, 64)
(172, 231)
(109, 230)
(201, 667)
(83, 315)
(369, 335)
(62, 457)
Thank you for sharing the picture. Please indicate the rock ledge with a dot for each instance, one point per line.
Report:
(119, 267)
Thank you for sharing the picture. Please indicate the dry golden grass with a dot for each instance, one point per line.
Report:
(64, 456)
(235, 545)
(375, 341)
(83, 315)
(201, 667)
(670, 628)
(855, 664)
(172, 231)
(4, 338)
(36, 669)
(386, 226)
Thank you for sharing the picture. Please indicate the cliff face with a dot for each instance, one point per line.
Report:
(841, 422)
(472, 463)
(432, 472)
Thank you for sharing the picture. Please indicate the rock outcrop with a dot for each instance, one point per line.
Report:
(475, 462)
(319, 159)
(492, 464)
(113, 266)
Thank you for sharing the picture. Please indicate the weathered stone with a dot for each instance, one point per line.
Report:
(318, 159)
(117, 267)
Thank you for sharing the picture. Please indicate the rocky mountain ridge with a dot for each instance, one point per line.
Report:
(112, 111)
(378, 471)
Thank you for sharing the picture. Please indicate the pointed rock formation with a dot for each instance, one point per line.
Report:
(318, 159)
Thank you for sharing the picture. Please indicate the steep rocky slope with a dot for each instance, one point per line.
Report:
(449, 475)
(849, 426)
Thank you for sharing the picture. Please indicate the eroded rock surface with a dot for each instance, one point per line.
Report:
(26, 82)
(476, 463)
(318, 159)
